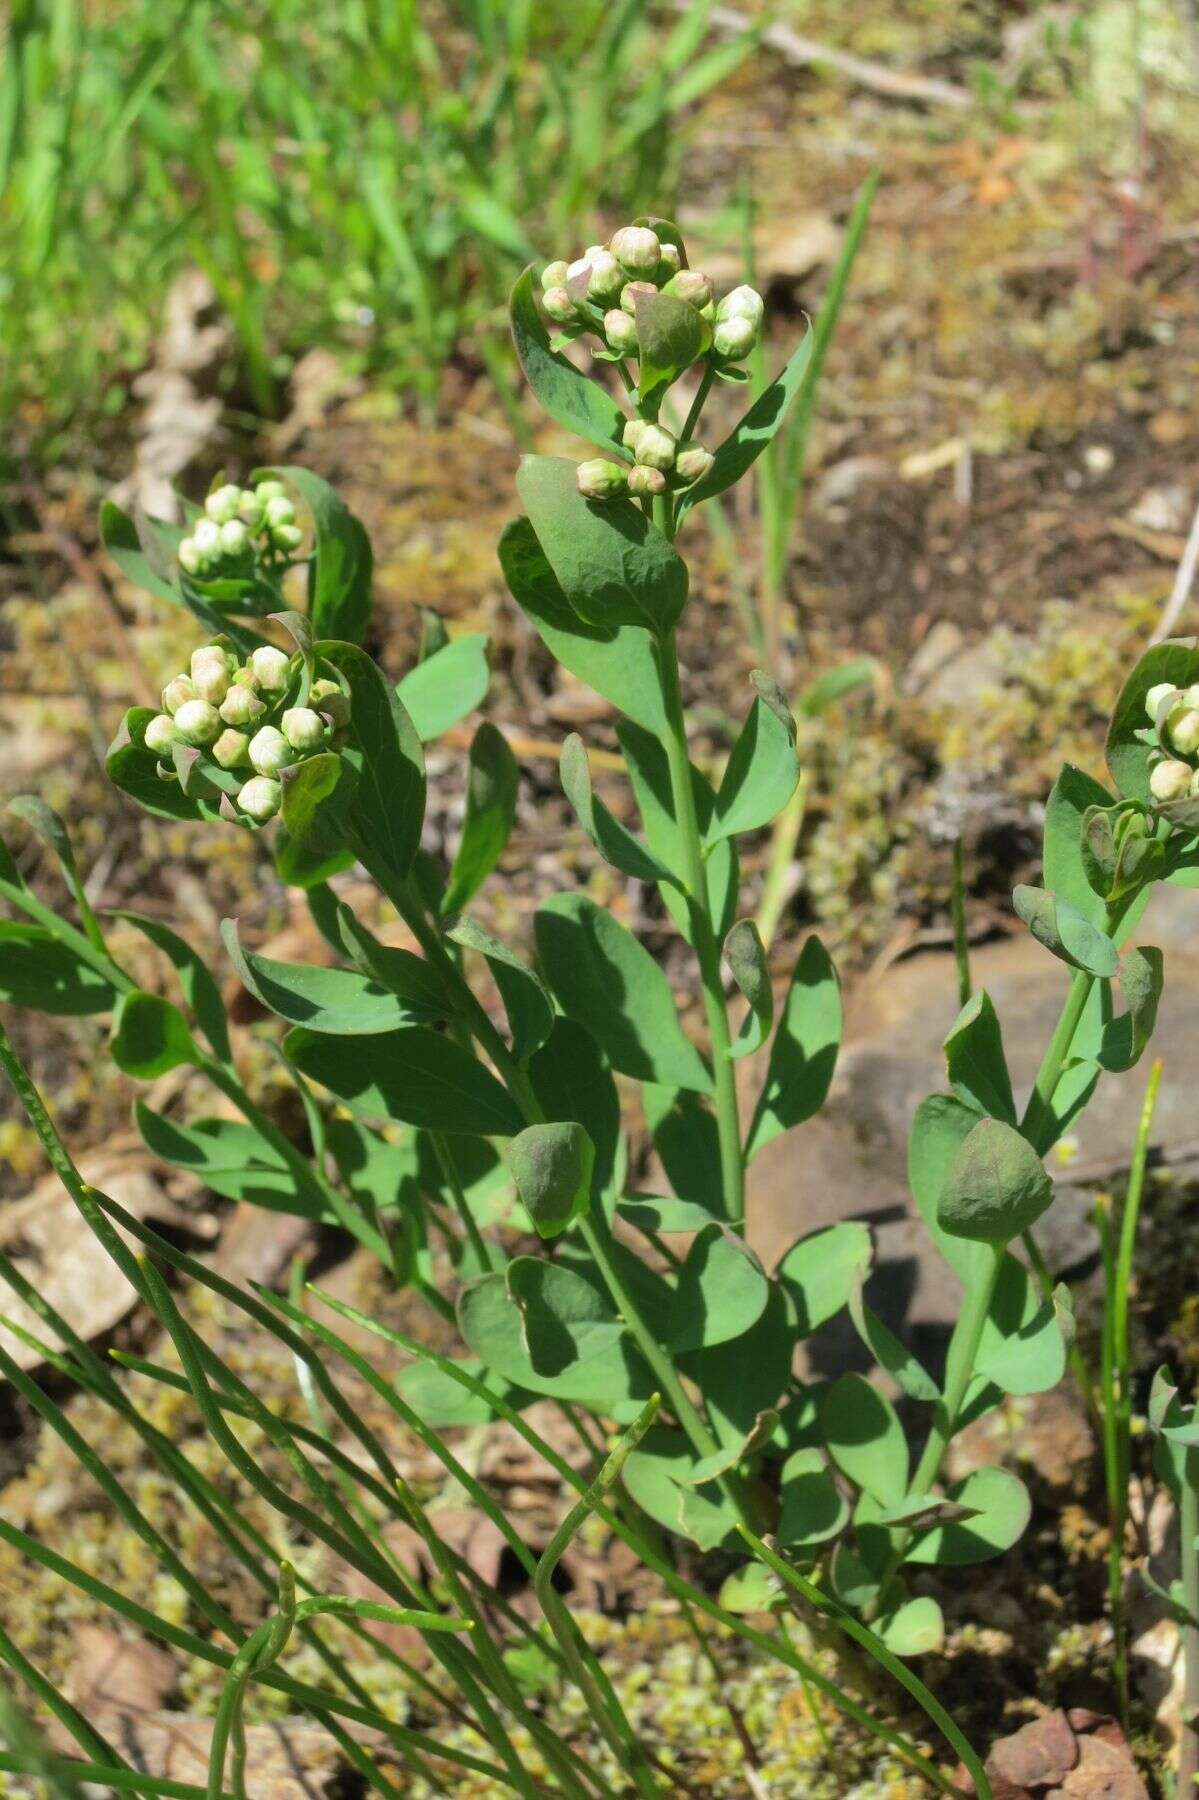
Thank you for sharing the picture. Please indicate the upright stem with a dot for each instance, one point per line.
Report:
(1038, 1121)
(1188, 1746)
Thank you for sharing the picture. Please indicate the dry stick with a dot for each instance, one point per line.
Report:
(804, 52)
(1183, 582)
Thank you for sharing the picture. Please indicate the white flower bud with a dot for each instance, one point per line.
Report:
(580, 266)
(260, 798)
(207, 538)
(330, 700)
(231, 749)
(303, 728)
(655, 448)
(234, 537)
(671, 261)
(176, 692)
(241, 705)
(1190, 697)
(212, 672)
(270, 751)
(189, 556)
(607, 277)
(559, 305)
(554, 275)
(266, 491)
(690, 285)
(644, 480)
(637, 249)
(734, 338)
(600, 480)
(632, 434)
(287, 537)
(743, 303)
(160, 734)
(249, 509)
(693, 462)
(629, 293)
(1155, 696)
(271, 668)
(280, 511)
(205, 655)
(245, 677)
(1195, 784)
(221, 505)
(1170, 780)
(1183, 730)
(620, 332)
(197, 721)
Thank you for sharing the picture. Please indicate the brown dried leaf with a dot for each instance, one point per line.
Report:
(1040, 1754)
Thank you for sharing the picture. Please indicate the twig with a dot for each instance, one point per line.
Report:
(1182, 584)
(801, 52)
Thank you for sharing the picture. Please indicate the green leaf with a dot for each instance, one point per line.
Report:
(1000, 1503)
(649, 771)
(1064, 863)
(811, 1510)
(975, 1061)
(671, 335)
(526, 998)
(739, 1386)
(491, 788)
(613, 565)
(664, 1213)
(580, 405)
(119, 535)
(199, 989)
(721, 1292)
(746, 956)
(835, 683)
(388, 807)
(763, 769)
(305, 785)
(447, 685)
(1066, 932)
(914, 1629)
(615, 1383)
(323, 854)
(572, 1081)
(339, 575)
(683, 1127)
(752, 433)
(656, 1476)
(753, 1589)
(996, 1188)
(134, 769)
(1021, 1348)
(865, 1439)
(818, 1271)
(443, 1403)
(906, 1371)
(48, 826)
(567, 1318)
(1142, 973)
(615, 843)
(940, 1128)
(603, 977)
(340, 1002)
(552, 1166)
(1128, 758)
(414, 1075)
(38, 970)
(804, 1053)
(413, 981)
(150, 1036)
(618, 661)
(230, 1158)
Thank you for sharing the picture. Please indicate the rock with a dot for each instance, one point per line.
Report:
(1164, 508)
(289, 1759)
(1104, 1772)
(1038, 1755)
(111, 1672)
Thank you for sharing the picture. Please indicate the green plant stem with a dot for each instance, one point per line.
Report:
(961, 941)
(1038, 1123)
(697, 405)
(445, 1160)
(707, 950)
(1188, 1527)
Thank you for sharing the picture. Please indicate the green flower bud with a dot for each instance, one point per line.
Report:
(221, 505)
(331, 702)
(743, 303)
(632, 434)
(207, 539)
(554, 275)
(637, 249)
(1190, 697)
(249, 509)
(303, 728)
(176, 692)
(559, 305)
(270, 751)
(1195, 783)
(271, 667)
(280, 511)
(600, 480)
(160, 734)
(231, 749)
(245, 677)
(234, 538)
(734, 338)
(1156, 695)
(1170, 780)
(644, 480)
(607, 277)
(211, 656)
(620, 332)
(241, 705)
(197, 722)
(693, 462)
(287, 537)
(690, 285)
(1183, 730)
(211, 674)
(629, 293)
(671, 261)
(655, 448)
(189, 556)
(260, 798)
(266, 491)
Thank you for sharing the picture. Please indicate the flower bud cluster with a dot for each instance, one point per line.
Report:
(598, 292)
(660, 463)
(244, 716)
(1176, 775)
(239, 524)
